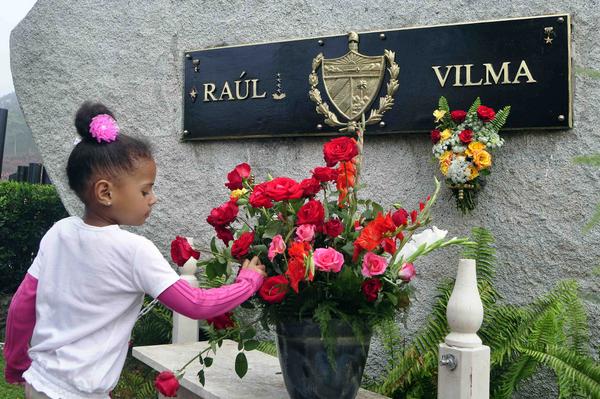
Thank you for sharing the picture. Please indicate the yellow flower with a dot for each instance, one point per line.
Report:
(446, 134)
(438, 114)
(482, 159)
(474, 147)
(235, 194)
(445, 161)
(474, 172)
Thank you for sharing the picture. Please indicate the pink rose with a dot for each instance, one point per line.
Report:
(305, 232)
(277, 247)
(373, 265)
(328, 260)
(407, 272)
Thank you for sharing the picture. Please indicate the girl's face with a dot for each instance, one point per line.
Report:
(132, 194)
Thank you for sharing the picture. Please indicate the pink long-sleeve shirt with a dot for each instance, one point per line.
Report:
(180, 297)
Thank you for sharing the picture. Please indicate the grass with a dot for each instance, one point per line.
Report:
(9, 391)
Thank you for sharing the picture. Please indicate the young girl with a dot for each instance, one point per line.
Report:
(70, 321)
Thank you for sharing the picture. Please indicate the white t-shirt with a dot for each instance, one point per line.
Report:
(91, 284)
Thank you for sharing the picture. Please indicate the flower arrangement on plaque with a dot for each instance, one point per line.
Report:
(462, 142)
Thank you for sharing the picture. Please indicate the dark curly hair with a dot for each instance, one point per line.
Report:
(90, 158)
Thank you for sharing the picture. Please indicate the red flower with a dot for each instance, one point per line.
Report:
(222, 322)
(324, 174)
(371, 236)
(458, 116)
(371, 288)
(258, 198)
(486, 114)
(299, 249)
(339, 149)
(296, 272)
(346, 179)
(333, 228)
(241, 246)
(413, 216)
(400, 217)
(167, 384)
(224, 234)
(310, 187)
(389, 245)
(435, 136)
(283, 188)
(274, 288)
(181, 251)
(421, 206)
(236, 176)
(223, 215)
(466, 136)
(311, 213)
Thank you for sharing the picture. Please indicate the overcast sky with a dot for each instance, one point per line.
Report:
(11, 13)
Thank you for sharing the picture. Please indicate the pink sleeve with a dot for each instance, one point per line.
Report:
(198, 303)
(19, 329)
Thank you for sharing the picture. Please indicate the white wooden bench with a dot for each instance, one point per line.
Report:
(263, 380)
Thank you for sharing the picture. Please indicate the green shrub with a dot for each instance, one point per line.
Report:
(27, 211)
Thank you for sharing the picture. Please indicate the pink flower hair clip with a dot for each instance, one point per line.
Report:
(104, 127)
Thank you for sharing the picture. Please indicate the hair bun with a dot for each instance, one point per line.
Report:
(84, 116)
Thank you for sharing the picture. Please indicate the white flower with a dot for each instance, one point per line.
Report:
(459, 171)
(427, 236)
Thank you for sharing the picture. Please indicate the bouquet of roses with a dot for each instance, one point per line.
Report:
(328, 254)
(461, 143)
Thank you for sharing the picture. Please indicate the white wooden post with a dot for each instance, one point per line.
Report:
(464, 363)
(184, 328)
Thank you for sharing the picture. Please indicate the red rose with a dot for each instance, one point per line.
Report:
(222, 322)
(258, 199)
(311, 213)
(400, 217)
(371, 288)
(339, 149)
(274, 288)
(310, 187)
(167, 384)
(241, 246)
(181, 251)
(283, 188)
(324, 174)
(435, 136)
(236, 176)
(486, 114)
(223, 215)
(466, 136)
(458, 116)
(333, 228)
(224, 234)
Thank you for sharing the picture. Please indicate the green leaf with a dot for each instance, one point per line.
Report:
(251, 344)
(241, 365)
(208, 361)
(201, 377)
(213, 245)
(240, 345)
(249, 333)
(272, 229)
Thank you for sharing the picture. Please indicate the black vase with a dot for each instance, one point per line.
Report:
(307, 373)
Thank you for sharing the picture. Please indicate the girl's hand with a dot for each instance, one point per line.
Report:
(255, 265)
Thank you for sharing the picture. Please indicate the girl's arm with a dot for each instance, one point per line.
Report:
(198, 303)
(19, 329)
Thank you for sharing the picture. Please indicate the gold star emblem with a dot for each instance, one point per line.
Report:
(548, 40)
(193, 94)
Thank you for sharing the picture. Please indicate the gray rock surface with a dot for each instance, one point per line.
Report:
(129, 55)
